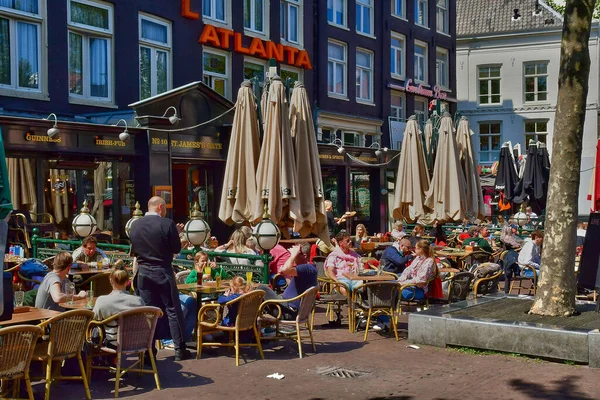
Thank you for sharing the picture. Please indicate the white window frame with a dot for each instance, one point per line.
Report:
(425, 23)
(345, 68)
(489, 79)
(294, 70)
(14, 17)
(398, 113)
(287, 4)
(252, 31)
(369, 71)
(535, 75)
(213, 18)
(88, 32)
(421, 112)
(344, 13)
(394, 11)
(425, 57)
(154, 47)
(442, 10)
(255, 61)
(537, 133)
(371, 8)
(227, 76)
(445, 63)
(395, 50)
(488, 138)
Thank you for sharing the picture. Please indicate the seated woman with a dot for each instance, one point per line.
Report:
(509, 237)
(238, 287)
(343, 262)
(237, 244)
(52, 289)
(200, 263)
(440, 236)
(416, 234)
(361, 235)
(118, 300)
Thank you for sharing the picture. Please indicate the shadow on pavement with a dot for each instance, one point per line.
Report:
(563, 389)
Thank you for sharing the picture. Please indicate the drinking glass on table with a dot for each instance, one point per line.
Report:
(70, 292)
(19, 298)
(248, 277)
(105, 263)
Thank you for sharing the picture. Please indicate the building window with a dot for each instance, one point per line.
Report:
(155, 56)
(489, 85)
(441, 16)
(421, 12)
(289, 19)
(254, 15)
(336, 68)
(536, 131)
(489, 141)
(214, 9)
(289, 76)
(90, 53)
(351, 139)
(254, 70)
(399, 8)
(215, 72)
(336, 12)
(421, 110)
(420, 72)
(397, 111)
(364, 17)
(441, 67)
(20, 50)
(536, 81)
(364, 75)
(398, 50)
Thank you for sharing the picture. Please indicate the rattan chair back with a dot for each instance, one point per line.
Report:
(67, 333)
(136, 329)
(382, 294)
(16, 349)
(248, 305)
(307, 303)
(181, 276)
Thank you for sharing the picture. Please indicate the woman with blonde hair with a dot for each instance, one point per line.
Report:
(361, 235)
(237, 244)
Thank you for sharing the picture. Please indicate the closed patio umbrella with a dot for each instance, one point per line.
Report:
(412, 180)
(310, 216)
(428, 134)
(474, 194)
(20, 173)
(99, 186)
(446, 195)
(239, 183)
(594, 193)
(506, 177)
(533, 186)
(275, 175)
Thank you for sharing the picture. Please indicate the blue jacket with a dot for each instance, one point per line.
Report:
(229, 319)
(394, 261)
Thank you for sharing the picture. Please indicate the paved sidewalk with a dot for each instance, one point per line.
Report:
(393, 371)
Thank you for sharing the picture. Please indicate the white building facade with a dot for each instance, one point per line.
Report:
(507, 79)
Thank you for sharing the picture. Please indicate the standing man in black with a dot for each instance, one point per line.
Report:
(154, 241)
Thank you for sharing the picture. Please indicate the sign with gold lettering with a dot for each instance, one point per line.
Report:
(110, 142)
(30, 137)
(195, 146)
(223, 38)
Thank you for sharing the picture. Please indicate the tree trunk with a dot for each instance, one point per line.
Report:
(556, 287)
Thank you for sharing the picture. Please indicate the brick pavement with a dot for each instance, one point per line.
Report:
(394, 372)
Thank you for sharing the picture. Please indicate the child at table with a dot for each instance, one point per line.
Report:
(52, 289)
(238, 287)
(201, 262)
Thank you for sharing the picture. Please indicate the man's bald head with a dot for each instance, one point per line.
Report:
(158, 205)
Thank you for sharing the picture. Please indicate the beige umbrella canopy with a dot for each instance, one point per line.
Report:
(466, 155)
(22, 190)
(428, 133)
(413, 176)
(99, 185)
(275, 176)
(239, 184)
(446, 194)
(311, 217)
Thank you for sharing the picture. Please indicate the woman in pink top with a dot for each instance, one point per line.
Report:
(342, 262)
(421, 270)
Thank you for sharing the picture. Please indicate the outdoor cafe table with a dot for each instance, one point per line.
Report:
(79, 304)
(31, 315)
(372, 278)
(207, 288)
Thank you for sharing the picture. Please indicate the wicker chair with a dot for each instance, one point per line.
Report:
(67, 335)
(18, 343)
(488, 283)
(459, 286)
(248, 306)
(412, 301)
(304, 317)
(376, 298)
(181, 276)
(101, 283)
(135, 332)
(331, 296)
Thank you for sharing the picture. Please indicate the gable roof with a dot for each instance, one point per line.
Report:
(480, 17)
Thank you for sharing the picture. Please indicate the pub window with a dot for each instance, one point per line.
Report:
(351, 139)
(155, 56)
(254, 15)
(90, 54)
(254, 70)
(421, 111)
(290, 17)
(215, 71)
(214, 9)
(290, 75)
(20, 49)
(397, 111)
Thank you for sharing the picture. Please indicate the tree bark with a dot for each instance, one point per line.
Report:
(556, 287)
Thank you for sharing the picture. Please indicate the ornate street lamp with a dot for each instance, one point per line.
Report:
(520, 218)
(196, 230)
(137, 214)
(266, 232)
(83, 223)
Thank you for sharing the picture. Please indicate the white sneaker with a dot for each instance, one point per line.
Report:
(378, 327)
